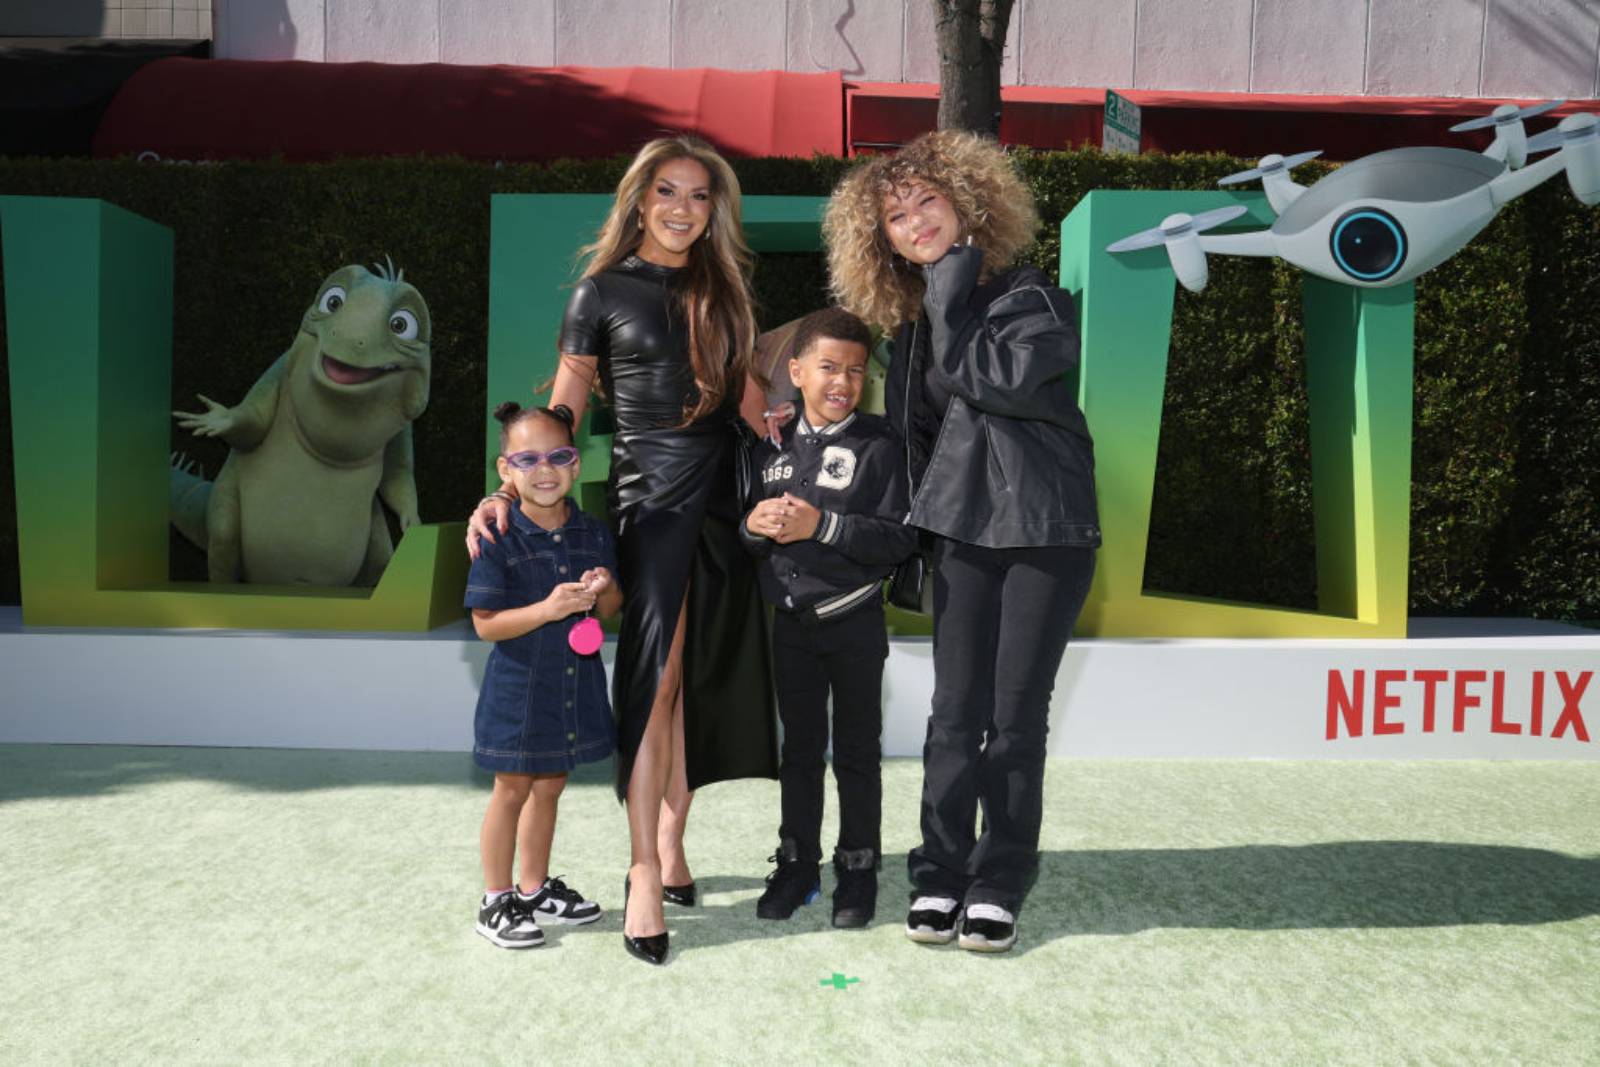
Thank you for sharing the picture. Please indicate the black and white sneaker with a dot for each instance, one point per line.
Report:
(506, 922)
(932, 920)
(988, 928)
(556, 902)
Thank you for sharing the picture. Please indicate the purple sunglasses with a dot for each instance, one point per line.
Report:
(565, 456)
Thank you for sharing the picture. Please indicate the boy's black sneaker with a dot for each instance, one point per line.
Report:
(988, 928)
(793, 883)
(556, 902)
(932, 920)
(506, 922)
(855, 893)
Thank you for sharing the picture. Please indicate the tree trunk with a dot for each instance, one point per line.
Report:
(972, 43)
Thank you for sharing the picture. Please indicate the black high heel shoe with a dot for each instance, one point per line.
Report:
(681, 895)
(652, 949)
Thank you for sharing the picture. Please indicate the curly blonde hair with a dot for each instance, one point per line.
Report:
(716, 294)
(993, 203)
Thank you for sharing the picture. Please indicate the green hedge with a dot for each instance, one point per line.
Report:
(1507, 443)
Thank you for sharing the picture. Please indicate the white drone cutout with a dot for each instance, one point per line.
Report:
(1384, 219)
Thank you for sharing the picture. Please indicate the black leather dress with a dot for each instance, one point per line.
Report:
(673, 504)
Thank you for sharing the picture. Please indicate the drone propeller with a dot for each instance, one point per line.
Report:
(1566, 135)
(1176, 227)
(1505, 115)
(1270, 165)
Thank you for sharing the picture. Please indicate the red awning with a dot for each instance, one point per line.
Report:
(885, 114)
(232, 109)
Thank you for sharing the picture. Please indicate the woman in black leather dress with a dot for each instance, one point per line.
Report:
(662, 322)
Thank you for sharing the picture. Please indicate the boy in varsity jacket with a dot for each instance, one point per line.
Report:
(830, 529)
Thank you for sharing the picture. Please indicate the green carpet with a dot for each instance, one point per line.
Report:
(215, 906)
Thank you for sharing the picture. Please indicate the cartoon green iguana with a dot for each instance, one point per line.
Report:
(316, 442)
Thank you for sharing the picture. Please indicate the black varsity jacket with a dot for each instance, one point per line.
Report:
(853, 471)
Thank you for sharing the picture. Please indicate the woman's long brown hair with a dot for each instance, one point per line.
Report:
(716, 292)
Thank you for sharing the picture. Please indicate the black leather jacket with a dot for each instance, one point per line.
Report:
(1011, 464)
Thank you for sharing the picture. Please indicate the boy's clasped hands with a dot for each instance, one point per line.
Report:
(783, 519)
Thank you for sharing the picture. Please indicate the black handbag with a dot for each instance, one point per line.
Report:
(746, 465)
(911, 584)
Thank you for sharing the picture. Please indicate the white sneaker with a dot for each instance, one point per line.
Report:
(506, 922)
(556, 902)
(988, 928)
(932, 920)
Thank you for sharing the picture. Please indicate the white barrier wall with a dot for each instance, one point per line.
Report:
(1513, 695)
(1533, 48)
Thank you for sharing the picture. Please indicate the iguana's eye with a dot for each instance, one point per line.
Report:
(332, 300)
(404, 325)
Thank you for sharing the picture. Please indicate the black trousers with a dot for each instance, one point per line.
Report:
(810, 659)
(1001, 619)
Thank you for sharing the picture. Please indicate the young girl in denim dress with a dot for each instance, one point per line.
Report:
(543, 707)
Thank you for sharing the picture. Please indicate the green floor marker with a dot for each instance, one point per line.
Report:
(839, 981)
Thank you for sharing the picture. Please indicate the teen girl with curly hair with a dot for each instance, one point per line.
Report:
(924, 243)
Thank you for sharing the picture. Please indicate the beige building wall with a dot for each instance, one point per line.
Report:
(1525, 48)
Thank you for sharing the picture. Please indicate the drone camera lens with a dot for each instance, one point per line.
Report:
(1368, 244)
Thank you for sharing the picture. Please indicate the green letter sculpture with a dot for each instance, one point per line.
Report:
(89, 328)
(1358, 376)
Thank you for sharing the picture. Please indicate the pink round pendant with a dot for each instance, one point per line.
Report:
(585, 636)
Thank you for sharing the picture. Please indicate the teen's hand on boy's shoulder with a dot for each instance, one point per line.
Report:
(568, 598)
(801, 521)
(777, 417)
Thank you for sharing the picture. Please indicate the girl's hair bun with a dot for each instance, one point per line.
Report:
(512, 413)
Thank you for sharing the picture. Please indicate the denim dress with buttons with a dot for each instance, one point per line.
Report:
(543, 708)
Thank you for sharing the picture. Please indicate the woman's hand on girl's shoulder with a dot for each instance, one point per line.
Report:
(492, 513)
